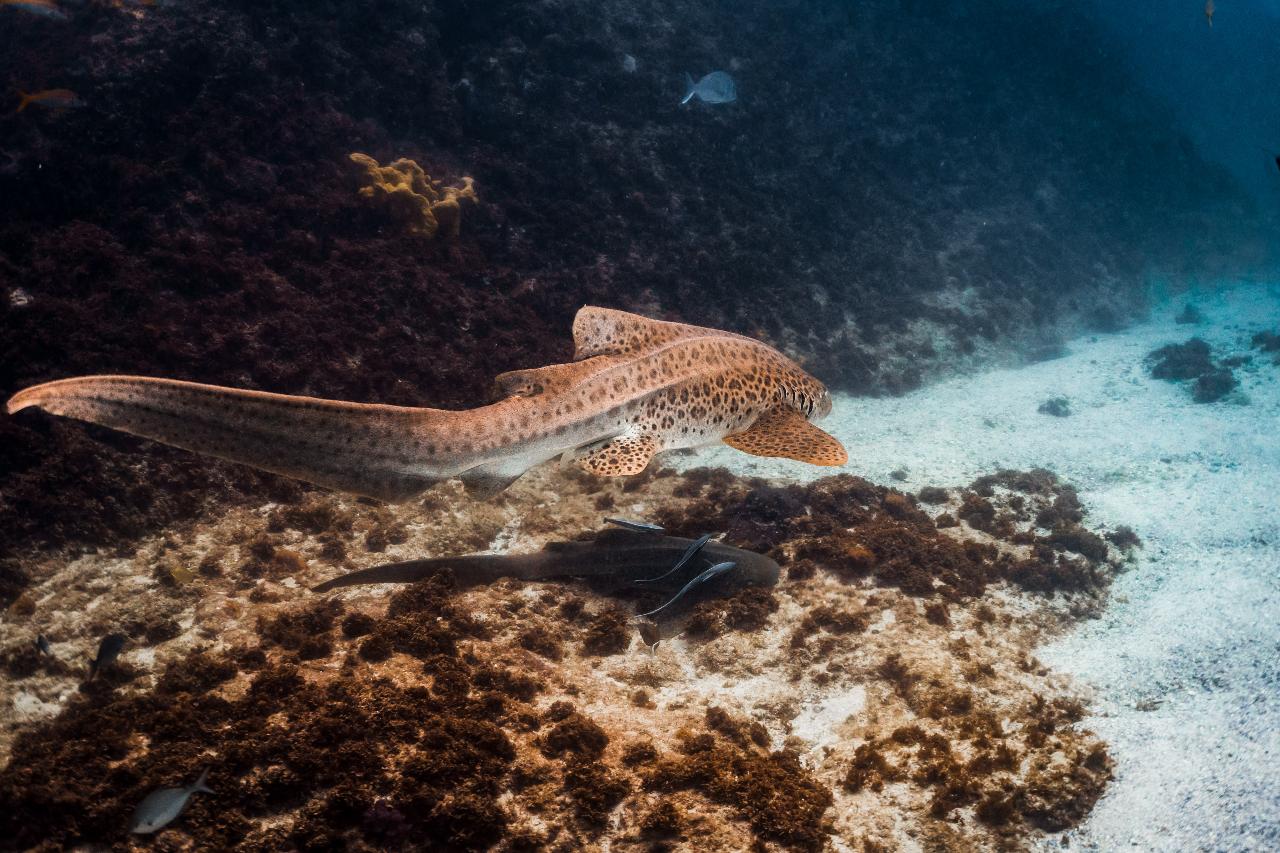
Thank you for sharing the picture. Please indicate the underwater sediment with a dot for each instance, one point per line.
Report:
(883, 690)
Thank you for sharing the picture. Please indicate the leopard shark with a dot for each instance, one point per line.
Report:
(636, 387)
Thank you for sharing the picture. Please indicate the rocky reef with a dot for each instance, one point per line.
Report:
(857, 206)
(883, 691)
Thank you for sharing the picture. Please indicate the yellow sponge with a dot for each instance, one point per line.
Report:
(409, 194)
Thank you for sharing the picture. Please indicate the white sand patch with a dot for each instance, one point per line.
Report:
(820, 723)
(1186, 661)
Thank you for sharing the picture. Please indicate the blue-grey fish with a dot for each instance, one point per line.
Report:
(108, 651)
(689, 554)
(638, 526)
(716, 88)
(42, 643)
(715, 571)
(162, 807)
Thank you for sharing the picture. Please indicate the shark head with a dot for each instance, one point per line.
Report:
(807, 396)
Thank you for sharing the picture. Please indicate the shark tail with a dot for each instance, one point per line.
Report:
(382, 452)
(689, 88)
(469, 570)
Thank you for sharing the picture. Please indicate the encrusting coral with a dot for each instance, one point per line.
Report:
(411, 196)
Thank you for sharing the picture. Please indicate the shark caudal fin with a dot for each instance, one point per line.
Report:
(380, 452)
(786, 434)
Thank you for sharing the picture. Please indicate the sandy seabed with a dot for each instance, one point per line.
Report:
(1183, 667)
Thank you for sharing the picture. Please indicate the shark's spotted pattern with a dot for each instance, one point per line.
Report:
(637, 387)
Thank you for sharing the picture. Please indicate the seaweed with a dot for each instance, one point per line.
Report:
(1058, 407)
(608, 633)
(772, 791)
(572, 734)
(1192, 362)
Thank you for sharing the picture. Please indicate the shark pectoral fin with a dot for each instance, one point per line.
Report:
(786, 434)
(621, 456)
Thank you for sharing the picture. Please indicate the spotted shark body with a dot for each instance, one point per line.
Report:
(637, 387)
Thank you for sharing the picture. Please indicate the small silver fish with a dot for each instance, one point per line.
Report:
(1208, 12)
(161, 808)
(689, 554)
(108, 651)
(42, 643)
(638, 526)
(715, 571)
(716, 88)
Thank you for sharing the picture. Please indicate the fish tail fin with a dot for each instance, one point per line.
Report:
(688, 88)
(22, 104)
(383, 452)
(200, 783)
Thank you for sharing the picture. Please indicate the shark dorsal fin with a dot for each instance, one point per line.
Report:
(607, 331)
(550, 379)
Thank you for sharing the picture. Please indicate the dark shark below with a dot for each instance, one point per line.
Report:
(614, 561)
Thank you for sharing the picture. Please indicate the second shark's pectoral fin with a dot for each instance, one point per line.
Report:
(786, 434)
(621, 456)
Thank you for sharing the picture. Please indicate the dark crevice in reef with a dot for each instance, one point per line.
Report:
(200, 218)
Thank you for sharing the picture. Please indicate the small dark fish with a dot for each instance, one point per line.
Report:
(1208, 12)
(162, 807)
(638, 526)
(1278, 161)
(684, 560)
(108, 650)
(650, 634)
(42, 643)
(715, 571)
